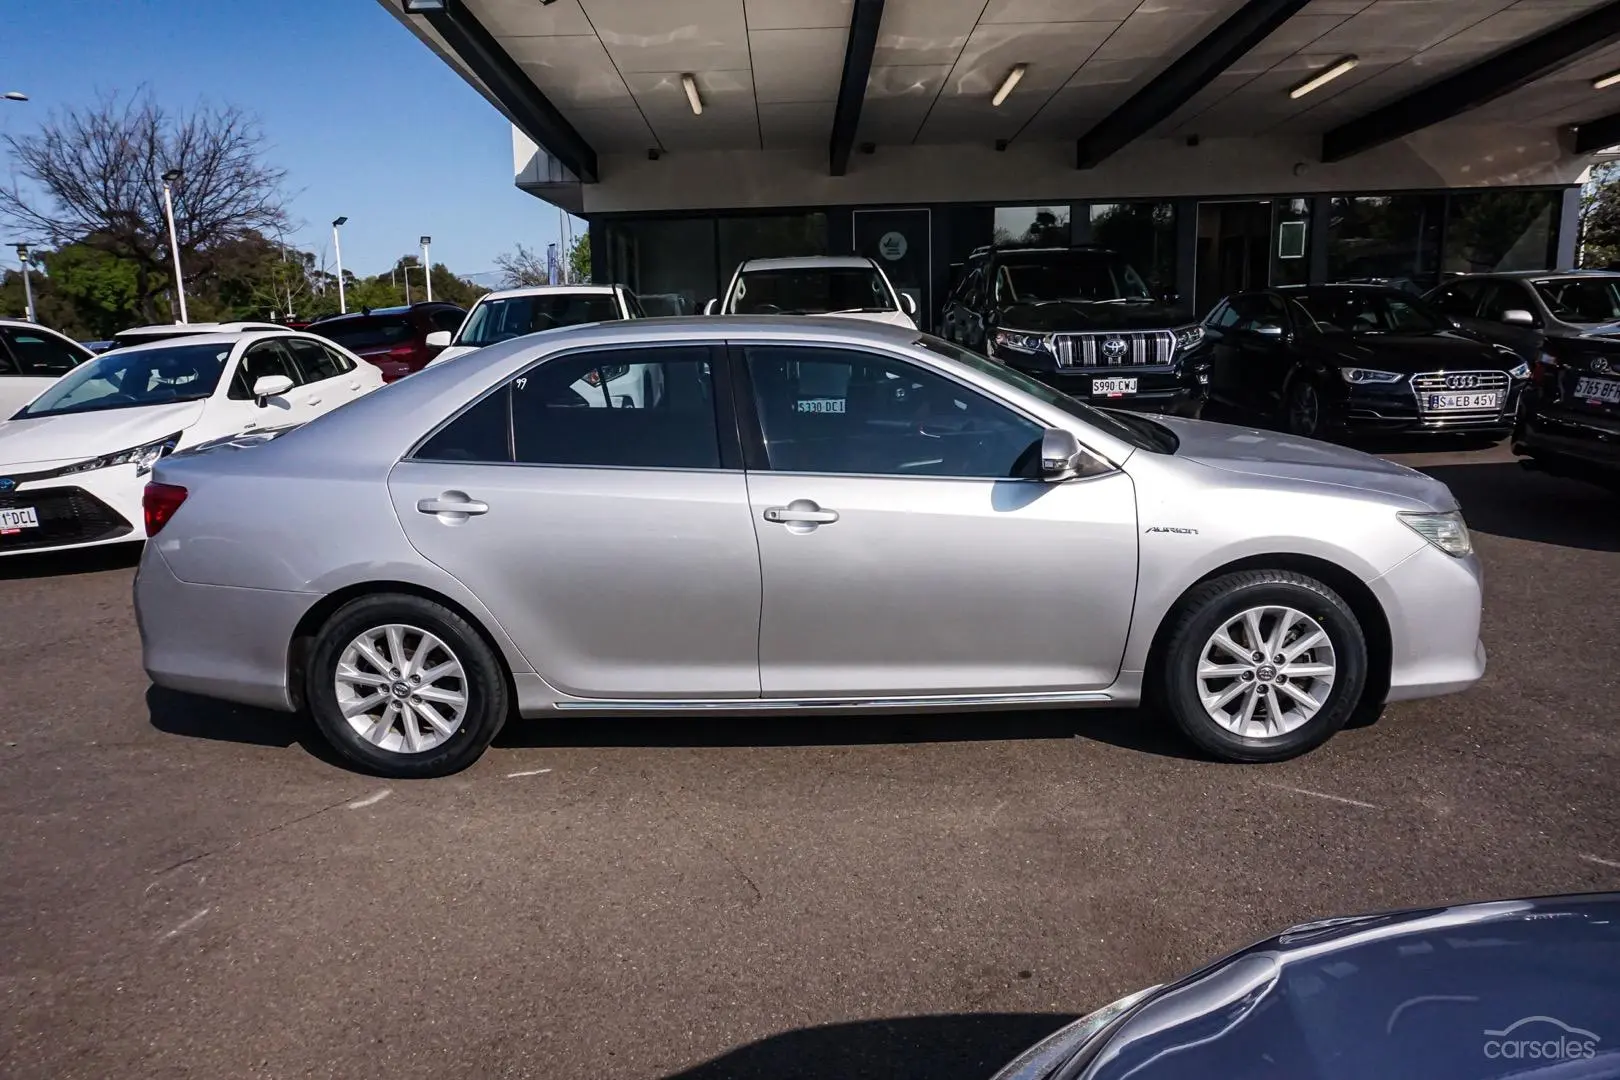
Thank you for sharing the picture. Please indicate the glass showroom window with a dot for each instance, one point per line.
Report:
(1501, 230)
(769, 237)
(1143, 232)
(669, 264)
(1041, 226)
(1291, 251)
(1392, 239)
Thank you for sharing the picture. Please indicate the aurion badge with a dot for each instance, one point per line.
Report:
(1115, 348)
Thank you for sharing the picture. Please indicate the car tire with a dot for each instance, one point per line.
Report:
(1270, 734)
(1304, 413)
(433, 642)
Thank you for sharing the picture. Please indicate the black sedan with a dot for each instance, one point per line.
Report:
(1520, 988)
(1323, 360)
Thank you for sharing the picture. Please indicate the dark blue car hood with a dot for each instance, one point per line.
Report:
(1521, 988)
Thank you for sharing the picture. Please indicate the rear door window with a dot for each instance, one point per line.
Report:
(368, 332)
(261, 359)
(315, 360)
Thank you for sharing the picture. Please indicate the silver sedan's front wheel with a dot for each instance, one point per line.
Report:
(1266, 671)
(1261, 665)
(401, 688)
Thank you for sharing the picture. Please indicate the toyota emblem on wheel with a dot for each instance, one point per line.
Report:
(1461, 382)
(1115, 347)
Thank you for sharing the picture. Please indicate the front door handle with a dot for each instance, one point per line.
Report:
(452, 502)
(800, 512)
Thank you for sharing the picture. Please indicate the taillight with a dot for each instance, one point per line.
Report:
(1544, 372)
(402, 352)
(158, 504)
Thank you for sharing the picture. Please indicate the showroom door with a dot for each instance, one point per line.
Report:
(1234, 250)
(898, 240)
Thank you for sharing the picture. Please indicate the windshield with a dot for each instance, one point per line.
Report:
(514, 316)
(1071, 275)
(126, 378)
(1139, 432)
(1367, 311)
(1590, 300)
(816, 290)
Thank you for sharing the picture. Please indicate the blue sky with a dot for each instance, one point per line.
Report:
(364, 118)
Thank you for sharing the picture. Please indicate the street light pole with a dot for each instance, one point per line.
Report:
(427, 268)
(28, 287)
(171, 177)
(407, 268)
(337, 249)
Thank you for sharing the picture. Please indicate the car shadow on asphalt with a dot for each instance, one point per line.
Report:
(1130, 729)
(193, 717)
(61, 563)
(957, 1047)
(1506, 499)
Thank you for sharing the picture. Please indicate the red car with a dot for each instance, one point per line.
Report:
(394, 339)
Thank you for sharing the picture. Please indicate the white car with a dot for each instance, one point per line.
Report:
(145, 335)
(31, 358)
(510, 313)
(74, 461)
(851, 285)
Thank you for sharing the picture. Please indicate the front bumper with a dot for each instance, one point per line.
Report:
(1433, 603)
(1394, 410)
(1180, 388)
(79, 510)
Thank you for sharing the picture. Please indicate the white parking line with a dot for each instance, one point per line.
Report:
(188, 924)
(1601, 862)
(526, 772)
(369, 800)
(1324, 795)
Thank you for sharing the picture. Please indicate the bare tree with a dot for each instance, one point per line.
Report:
(99, 174)
(523, 267)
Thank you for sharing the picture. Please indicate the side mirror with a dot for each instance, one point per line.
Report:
(1061, 454)
(269, 386)
(1518, 317)
(908, 305)
(711, 308)
(439, 339)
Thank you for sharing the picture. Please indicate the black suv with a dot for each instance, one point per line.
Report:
(1566, 326)
(1083, 321)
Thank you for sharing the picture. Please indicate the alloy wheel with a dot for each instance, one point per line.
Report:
(1304, 409)
(1266, 671)
(401, 688)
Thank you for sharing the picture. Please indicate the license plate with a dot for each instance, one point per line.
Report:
(1589, 389)
(821, 405)
(1457, 402)
(1113, 387)
(24, 517)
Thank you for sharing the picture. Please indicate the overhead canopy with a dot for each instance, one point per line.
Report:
(768, 72)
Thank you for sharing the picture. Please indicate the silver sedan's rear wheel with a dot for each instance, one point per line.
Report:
(405, 687)
(1262, 665)
(401, 688)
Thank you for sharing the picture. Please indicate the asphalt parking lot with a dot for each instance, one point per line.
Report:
(194, 890)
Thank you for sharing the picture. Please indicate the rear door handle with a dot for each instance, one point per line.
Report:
(800, 512)
(452, 502)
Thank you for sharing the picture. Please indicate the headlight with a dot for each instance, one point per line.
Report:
(1020, 341)
(1360, 376)
(1042, 1059)
(1446, 531)
(1521, 370)
(143, 457)
(1189, 337)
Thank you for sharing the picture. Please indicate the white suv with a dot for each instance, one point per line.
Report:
(510, 313)
(851, 285)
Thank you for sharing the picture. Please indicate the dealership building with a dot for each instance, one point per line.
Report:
(1218, 144)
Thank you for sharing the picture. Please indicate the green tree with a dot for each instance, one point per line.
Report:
(100, 291)
(579, 258)
(1600, 218)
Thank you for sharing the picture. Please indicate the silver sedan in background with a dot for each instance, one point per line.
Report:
(808, 515)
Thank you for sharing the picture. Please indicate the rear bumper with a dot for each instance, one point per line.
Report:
(216, 640)
(1433, 602)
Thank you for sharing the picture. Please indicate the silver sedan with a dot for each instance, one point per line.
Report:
(790, 516)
